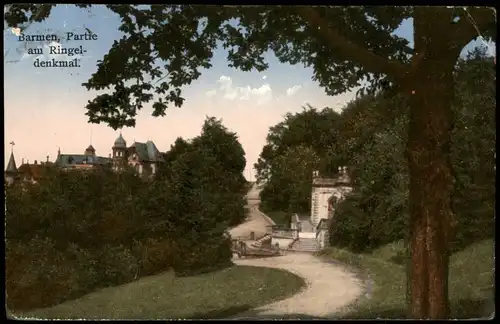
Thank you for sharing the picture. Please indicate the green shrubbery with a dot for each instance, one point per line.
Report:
(369, 137)
(73, 233)
(77, 231)
(377, 211)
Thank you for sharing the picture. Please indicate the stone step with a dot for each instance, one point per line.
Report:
(305, 245)
(258, 243)
(302, 247)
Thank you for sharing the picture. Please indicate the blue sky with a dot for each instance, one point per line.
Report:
(44, 107)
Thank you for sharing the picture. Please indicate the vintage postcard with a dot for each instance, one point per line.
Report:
(249, 162)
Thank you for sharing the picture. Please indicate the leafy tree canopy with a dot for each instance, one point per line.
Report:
(168, 45)
(312, 128)
(377, 211)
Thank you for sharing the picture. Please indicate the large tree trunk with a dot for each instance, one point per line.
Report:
(430, 185)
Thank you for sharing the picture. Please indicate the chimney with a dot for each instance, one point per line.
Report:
(109, 155)
(47, 159)
(22, 161)
(36, 162)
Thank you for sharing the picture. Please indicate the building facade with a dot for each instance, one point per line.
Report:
(142, 157)
(87, 160)
(326, 193)
(25, 173)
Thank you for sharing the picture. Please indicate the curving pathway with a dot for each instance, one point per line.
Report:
(256, 222)
(330, 287)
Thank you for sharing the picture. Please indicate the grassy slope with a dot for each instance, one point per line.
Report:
(280, 217)
(471, 281)
(213, 295)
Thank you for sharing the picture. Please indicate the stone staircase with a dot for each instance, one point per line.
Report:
(258, 244)
(305, 245)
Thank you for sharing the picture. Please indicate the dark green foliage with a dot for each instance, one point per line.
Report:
(70, 206)
(206, 193)
(294, 149)
(377, 211)
(202, 256)
(107, 228)
(473, 151)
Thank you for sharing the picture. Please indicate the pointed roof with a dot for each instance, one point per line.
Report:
(11, 166)
(147, 151)
(120, 142)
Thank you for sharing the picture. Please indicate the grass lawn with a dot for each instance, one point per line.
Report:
(214, 295)
(471, 281)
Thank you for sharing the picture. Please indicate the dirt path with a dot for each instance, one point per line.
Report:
(255, 222)
(329, 288)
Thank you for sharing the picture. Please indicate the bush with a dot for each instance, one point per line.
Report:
(193, 258)
(377, 211)
(154, 255)
(115, 265)
(37, 275)
(98, 228)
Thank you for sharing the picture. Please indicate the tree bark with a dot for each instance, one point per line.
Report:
(430, 184)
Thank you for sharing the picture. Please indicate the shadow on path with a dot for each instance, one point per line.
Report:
(462, 309)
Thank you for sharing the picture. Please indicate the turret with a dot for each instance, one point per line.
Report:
(119, 153)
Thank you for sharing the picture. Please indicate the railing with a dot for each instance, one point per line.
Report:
(319, 228)
(239, 247)
(243, 250)
(249, 237)
(282, 231)
(296, 226)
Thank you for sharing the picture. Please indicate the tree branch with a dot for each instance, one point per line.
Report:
(467, 28)
(370, 61)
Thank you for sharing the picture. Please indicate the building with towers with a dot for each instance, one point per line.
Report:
(119, 153)
(143, 157)
(87, 160)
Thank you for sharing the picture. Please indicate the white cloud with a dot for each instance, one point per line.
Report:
(211, 93)
(293, 90)
(261, 94)
(264, 77)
